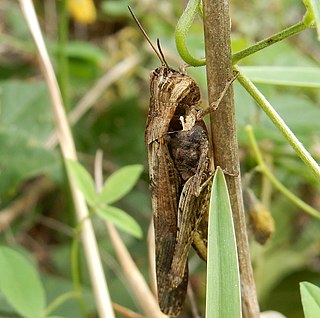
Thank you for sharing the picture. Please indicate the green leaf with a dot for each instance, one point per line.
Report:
(26, 123)
(121, 219)
(85, 51)
(223, 281)
(115, 8)
(282, 75)
(310, 297)
(20, 284)
(85, 59)
(120, 183)
(83, 181)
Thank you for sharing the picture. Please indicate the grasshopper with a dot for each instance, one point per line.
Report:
(180, 170)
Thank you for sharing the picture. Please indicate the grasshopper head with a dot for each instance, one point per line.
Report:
(171, 86)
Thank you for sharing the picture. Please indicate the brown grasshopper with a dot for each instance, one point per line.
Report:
(180, 170)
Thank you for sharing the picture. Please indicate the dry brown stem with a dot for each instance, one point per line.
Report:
(68, 150)
(224, 137)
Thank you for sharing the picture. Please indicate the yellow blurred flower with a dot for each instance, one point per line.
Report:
(83, 11)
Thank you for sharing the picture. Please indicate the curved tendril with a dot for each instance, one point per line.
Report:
(182, 28)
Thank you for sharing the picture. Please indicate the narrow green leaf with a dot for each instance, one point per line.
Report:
(282, 75)
(85, 52)
(83, 181)
(20, 284)
(121, 219)
(223, 281)
(120, 183)
(310, 297)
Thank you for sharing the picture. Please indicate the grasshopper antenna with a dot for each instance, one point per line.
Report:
(160, 55)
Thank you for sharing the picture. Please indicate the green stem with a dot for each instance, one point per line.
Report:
(296, 28)
(194, 7)
(182, 30)
(75, 266)
(279, 123)
(59, 301)
(277, 184)
(63, 74)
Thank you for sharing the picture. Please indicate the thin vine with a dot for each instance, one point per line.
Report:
(262, 168)
(194, 8)
(182, 29)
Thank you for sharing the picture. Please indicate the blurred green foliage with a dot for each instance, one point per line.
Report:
(115, 124)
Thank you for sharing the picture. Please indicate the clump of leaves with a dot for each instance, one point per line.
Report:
(114, 188)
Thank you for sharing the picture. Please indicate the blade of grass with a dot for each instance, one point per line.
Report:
(224, 135)
(223, 280)
(284, 75)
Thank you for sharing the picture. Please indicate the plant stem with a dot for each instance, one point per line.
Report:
(75, 267)
(182, 30)
(296, 28)
(224, 137)
(293, 198)
(277, 184)
(59, 301)
(279, 123)
(68, 150)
